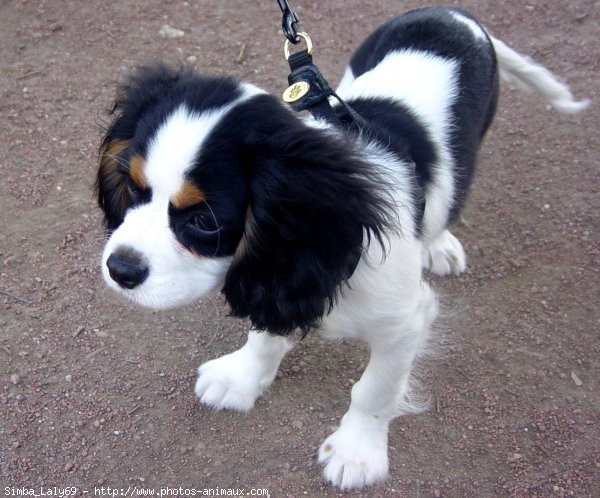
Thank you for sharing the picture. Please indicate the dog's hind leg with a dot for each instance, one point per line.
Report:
(356, 454)
(444, 255)
(236, 380)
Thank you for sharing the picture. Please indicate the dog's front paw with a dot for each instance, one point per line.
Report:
(445, 255)
(356, 454)
(233, 381)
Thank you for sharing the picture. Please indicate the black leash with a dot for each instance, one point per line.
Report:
(289, 21)
(308, 90)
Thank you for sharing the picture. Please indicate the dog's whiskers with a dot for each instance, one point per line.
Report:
(118, 160)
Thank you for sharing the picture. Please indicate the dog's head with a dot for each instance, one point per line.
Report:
(208, 184)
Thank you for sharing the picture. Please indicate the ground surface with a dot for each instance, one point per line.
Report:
(94, 392)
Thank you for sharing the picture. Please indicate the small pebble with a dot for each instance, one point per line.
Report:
(168, 32)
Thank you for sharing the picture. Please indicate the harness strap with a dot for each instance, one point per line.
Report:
(309, 90)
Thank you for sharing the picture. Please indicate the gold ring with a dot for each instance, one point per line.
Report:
(305, 37)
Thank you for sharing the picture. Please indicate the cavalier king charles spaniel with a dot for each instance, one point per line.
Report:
(209, 184)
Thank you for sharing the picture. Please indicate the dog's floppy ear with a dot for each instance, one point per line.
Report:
(111, 184)
(312, 200)
(138, 94)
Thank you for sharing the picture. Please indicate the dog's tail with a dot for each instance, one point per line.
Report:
(527, 75)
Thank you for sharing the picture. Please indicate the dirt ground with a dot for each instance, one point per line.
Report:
(95, 392)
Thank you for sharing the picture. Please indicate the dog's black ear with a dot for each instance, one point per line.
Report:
(141, 92)
(313, 200)
(111, 183)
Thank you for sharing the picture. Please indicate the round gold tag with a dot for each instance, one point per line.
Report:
(296, 92)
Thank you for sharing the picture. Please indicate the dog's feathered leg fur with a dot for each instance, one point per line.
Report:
(356, 454)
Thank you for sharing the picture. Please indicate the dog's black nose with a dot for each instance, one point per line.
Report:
(127, 267)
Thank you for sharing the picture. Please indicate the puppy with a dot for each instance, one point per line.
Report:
(209, 184)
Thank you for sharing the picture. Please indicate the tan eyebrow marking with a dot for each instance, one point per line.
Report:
(136, 171)
(188, 195)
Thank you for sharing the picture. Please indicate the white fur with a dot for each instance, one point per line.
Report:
(476, 30)
(346, 81)
(172, 150)
(527, 75)
(427, 84)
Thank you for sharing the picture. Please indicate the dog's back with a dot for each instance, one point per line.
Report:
(427, 84)
(437, 68)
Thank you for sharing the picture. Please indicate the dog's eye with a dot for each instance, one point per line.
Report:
(204, 222)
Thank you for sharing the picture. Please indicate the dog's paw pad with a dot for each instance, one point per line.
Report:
(445, 255)
(354, 460)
